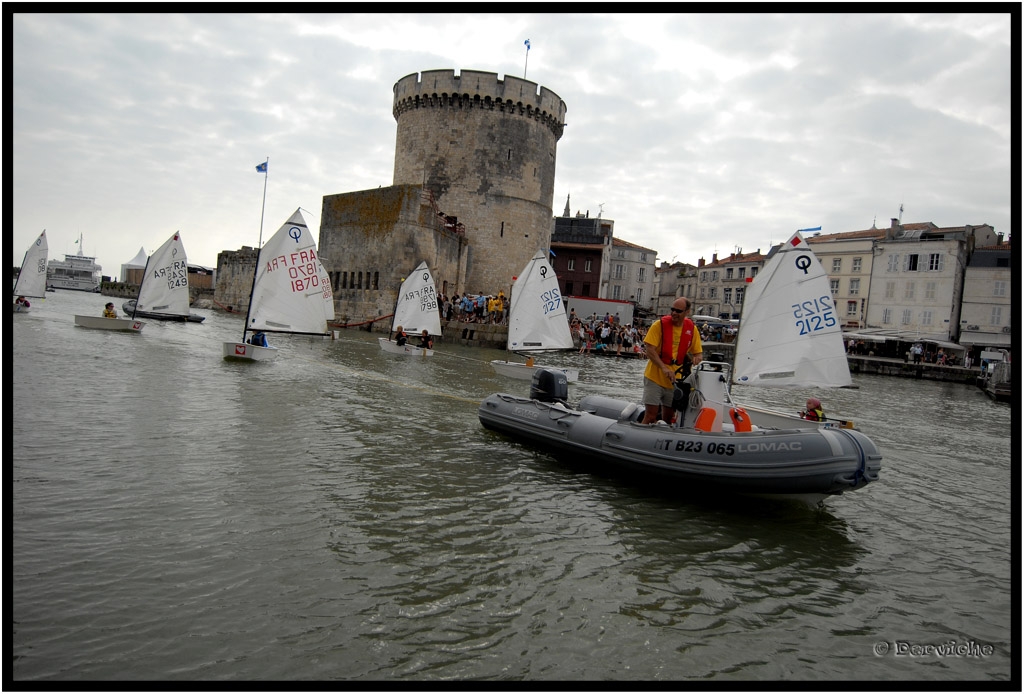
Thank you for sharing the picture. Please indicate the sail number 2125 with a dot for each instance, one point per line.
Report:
(814, 315)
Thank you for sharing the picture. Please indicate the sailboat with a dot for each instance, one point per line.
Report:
(415, 311)
(31, 282)
(537, 320)
(789, 333)
(163, 293)
(291, 292)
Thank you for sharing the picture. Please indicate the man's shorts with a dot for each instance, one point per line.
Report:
(657, 395)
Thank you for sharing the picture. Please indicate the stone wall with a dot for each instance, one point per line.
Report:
(370, 240)
(235, 271)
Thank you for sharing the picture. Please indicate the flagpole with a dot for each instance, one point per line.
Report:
(263, 209)
(527, 43)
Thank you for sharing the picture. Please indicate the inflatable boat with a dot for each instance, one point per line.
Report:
(714, 445)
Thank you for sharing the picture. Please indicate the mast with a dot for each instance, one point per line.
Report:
(264, 167)
(138, 295)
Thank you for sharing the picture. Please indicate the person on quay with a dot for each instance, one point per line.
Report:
(109, 311)
(426, 342)
(813, 412)
(668, 343)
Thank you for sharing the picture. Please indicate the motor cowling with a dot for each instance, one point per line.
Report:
(549, 385)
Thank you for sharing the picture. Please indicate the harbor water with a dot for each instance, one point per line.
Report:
(340, 514)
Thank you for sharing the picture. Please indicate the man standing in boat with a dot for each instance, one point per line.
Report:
(668, 342)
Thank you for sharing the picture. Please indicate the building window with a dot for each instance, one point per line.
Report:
(906, 317)
(728, 273)
(997, 316)
(926, 317)
(727, 295)
(742, 272)
(911, 265)
(837, 265)
(622, 253)
(856, 265)
(643, 257)
(886, 316)
(851, 308)
(617, 292)
(929, 290)
(702, 292)
(641, 275)
(935, 262)
(586, 289)
(753, 272)
(704, 276)
(587, 265)
(908, 291)
(739, 296)
(620, 272)
(712, 292)
(854, 286)
(894, 263)
(572, 264)
(639, 295)
(568, 288)
(999, 289)
(834, 284)
(890, 290)
(714, 275)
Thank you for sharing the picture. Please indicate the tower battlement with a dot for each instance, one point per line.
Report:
(475, 89)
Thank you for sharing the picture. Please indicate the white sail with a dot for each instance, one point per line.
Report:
(32, 278)
(164, 287)
(789, 333)
(537, 319)
(417, 308)
(292, 292)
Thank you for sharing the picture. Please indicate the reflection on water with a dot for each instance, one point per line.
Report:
(341, 514)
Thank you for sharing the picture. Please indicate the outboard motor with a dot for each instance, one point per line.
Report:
(549, 385)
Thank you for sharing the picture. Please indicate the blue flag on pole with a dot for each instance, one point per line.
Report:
(527, 44)
(261, 168)
(810, 229)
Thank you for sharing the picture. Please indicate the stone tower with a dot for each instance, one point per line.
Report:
(485, 148)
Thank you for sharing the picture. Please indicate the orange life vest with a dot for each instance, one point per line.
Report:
(666, 341)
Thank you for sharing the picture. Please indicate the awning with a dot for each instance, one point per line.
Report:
(866, 338)
(986, 339)
(946, 345)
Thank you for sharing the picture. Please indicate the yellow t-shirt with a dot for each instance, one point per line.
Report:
(653, 338)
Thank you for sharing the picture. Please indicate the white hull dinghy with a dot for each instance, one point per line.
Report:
(31, 282)
(163, 293)
(131, 325)
(537, 321)
(718, 449)
(416, 310)
(291, 292)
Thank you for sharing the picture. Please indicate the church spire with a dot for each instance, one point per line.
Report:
(566, 213)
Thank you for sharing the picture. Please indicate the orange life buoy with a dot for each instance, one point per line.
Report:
(740, 420)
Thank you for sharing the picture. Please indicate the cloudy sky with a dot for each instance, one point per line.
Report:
(696, 133)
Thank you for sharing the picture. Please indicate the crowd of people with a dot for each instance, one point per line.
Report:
(475, 308)
(607, 334)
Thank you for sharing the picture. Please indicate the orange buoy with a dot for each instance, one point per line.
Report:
(740, 420)
(706, 419)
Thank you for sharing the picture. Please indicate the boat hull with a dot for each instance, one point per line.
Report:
(809, 463)
(100, 323)
(521, 371)
(408, 350)
(243, 351)
(21, 308)
(129, 308)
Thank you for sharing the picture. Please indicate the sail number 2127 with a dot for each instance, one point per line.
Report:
(814, 315)
(551, 299)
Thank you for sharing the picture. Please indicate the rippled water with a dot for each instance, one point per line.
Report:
(341, 514)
